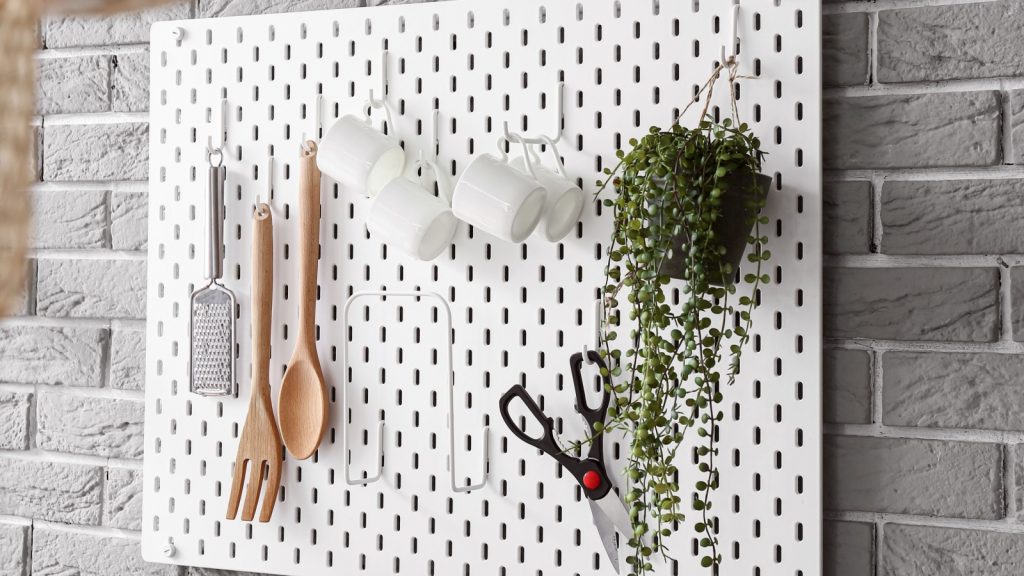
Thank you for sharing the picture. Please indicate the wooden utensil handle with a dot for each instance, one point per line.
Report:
(262, 298)
(309, 238)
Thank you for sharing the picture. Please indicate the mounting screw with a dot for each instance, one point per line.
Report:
(169, 549)
(178, 34)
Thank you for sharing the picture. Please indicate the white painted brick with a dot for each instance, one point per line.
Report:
(213, 8)
(122, 499)
(128, 28)
(129, 220)
(71, 219)
(91, 288)
(14, 415)
(58, 552)
(54, 491)
(85, 425)
(42, 355)
(77, 152)
(14, 549)
(128, 360)
(129, 82)
(71, 85)
(918, 550)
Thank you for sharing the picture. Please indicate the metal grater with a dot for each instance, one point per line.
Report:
(212, 324)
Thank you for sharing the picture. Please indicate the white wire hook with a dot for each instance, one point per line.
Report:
(318, 119)
(729, 57)
(598, 308)
(268, 185)
(516, 138)
(383, 82)
(221, 131)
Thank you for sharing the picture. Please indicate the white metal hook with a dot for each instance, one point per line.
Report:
(268, 184)
(729, 57)
(501, 149)
(559, 165)
(317, 118)
(446, 308)
(383, 81)
(516, 138)
(220, 129)
(598, 308)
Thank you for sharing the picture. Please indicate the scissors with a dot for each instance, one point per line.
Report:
(608, 511)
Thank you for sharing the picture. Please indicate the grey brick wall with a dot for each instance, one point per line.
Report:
(924, 153)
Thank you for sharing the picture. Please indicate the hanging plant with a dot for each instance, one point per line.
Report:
(687, 206)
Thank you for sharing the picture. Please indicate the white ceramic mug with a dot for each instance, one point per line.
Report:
(498, 199)
(565, 199)
(410, 218)
(359, 156)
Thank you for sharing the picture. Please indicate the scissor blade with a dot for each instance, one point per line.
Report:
(615, 511)
(607, 534)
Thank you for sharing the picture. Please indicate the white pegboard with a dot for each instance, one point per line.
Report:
(519, 311)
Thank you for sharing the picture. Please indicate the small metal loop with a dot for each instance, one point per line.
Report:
(598, 308)
(214, 152)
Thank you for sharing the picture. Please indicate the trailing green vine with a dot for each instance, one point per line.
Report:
(670, 371)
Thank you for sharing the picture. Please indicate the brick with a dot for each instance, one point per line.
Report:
(14, 549)
(128, 360)
(932, 304)
(14, 414)
(122, 499)
(904, 476)
(69, 219)
(126, 28)
(913, 550)
(129, 220)
(1017, 126)
(847, 219)
(214, 8)
(96, 152)
(844, 40)
(968, 40)
(24, 301)
(54, 491)
(1017, 302)
(84, 425)
(57, 552)
(952, 217)
(912, 130)
(64, 356)
(945, 390)
(70, 85)
(847, 386)
(91, 288)
(129, 82)
(848, 548)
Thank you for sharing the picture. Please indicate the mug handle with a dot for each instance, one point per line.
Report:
(558, 157)
(444, 186)
(388, 121)
(526, 157)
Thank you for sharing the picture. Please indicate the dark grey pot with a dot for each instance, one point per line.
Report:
(732, 228)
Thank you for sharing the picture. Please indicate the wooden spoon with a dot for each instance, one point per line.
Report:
(303, 401)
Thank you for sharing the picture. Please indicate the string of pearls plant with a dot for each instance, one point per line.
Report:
(672, 187)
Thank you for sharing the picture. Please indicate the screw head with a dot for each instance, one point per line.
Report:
(169, 549)
(178, 33)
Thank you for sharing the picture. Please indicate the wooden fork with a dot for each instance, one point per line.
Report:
(260, 446)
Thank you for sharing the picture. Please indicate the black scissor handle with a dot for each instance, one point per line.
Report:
(589, 472)
(546, 442)
(591, 415)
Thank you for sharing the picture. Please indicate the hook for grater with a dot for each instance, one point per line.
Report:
(516, 138)
(383, 82)
(222, 135)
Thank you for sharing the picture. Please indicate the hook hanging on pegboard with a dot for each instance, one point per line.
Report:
(729, 50)
(219, 120)
(383, 82)
(516, 138)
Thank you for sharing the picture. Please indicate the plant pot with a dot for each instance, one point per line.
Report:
(736, 220)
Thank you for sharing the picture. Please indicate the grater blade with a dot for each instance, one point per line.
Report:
(212, 331)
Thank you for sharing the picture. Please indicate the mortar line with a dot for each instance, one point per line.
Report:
(921, 261)
(877, 230)
(38, 455)
(84, 51)
(951, 86)
(1005, 302)
(872, 48)
(1008, 487)
(86, 254)
(134, 186)
(1002, 526)
(877, 397)
(64, 322)
(914, 433)
(878, 546)
(867, 5)
(919, 346)
(103, 531)
(994, 172)
(97, 118)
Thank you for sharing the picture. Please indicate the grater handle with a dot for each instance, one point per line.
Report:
(262, 298)
(309, 239)
(215, 222)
